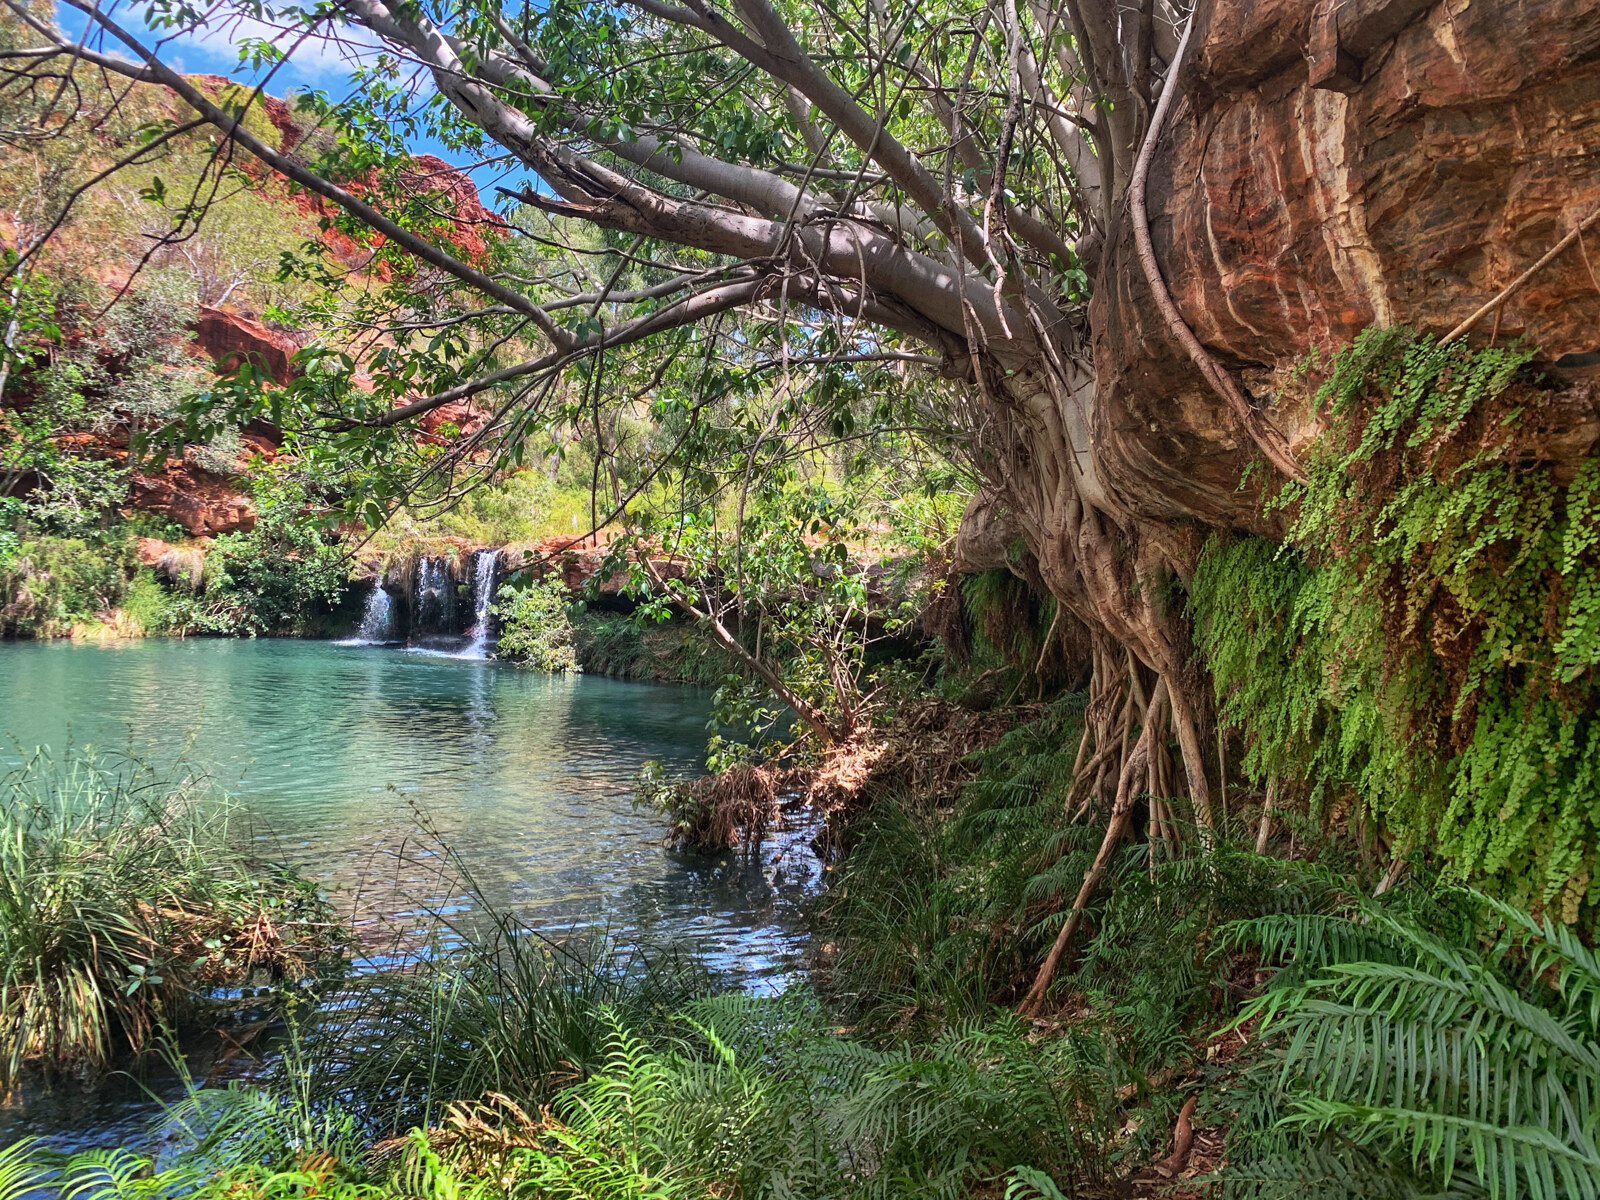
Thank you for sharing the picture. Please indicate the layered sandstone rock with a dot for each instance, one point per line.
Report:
(233, 339)
(203, 503)
(1337, 165)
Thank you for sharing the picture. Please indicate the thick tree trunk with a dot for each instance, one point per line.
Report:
(1292, 203)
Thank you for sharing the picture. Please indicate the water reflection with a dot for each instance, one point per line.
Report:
(360, 764)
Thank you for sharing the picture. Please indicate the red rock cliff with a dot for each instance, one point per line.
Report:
(1341, 164)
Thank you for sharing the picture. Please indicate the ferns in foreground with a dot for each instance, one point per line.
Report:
(1409, 1059)
(757, 1099)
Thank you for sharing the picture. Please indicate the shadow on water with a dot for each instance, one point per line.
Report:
(387, 776)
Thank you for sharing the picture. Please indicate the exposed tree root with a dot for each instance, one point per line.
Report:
(1268, 438)
(1517, 284)
(1264, 833)
(1135, 769)
(1182, 1142)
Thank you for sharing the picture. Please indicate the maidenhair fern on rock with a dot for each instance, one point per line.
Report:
(1427, 642)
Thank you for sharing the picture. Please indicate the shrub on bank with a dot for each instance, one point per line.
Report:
(285, 576)
(123, 903)
(50, 584)
(673, 652)
(535, 629)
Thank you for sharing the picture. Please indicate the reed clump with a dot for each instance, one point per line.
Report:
(124, 904)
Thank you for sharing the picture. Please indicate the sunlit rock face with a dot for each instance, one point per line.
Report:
(233, 339)
(203, 503)
(1337, 165)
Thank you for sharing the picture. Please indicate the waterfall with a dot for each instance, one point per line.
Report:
(377, 619)
(435, 603)
(483, 580)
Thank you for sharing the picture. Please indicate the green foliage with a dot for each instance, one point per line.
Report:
(285, 576)
(1000, 638)
(536, 629)
(785, 584)
(731, 1096)
(234, 1143)
(611, 644)
(121, 904)
(759, 1098)
(523, 506)
(493, 1008)
(148, 605)
(281, 577)
(116, 380)
(1448, 1049)
(670, 652)
(1430, 642)
(939, 914)
(934, 917)
(50, 584)
(28, 1168)
(263, 1138)
(1005, 614)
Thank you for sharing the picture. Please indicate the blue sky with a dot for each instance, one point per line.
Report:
(318, 64)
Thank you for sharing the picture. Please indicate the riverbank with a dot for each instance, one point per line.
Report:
(434, 594)
(390, 778)
(1203, 1041)
(130, 915)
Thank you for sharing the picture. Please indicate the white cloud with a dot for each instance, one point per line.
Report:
(316, 59)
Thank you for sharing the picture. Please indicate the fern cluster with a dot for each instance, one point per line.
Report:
(758, 1098)
(246, 1145)
(1408, 1056)
(935, 913)
(1002, 637)
(1429, 639)
(934, 917)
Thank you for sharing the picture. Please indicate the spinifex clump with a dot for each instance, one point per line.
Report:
(123, 905)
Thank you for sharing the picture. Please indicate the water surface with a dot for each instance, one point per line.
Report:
(358, 764)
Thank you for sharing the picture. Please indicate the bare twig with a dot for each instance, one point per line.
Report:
(1517, 284)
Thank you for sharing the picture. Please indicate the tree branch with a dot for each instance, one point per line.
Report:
(684, 312)
(158, 72)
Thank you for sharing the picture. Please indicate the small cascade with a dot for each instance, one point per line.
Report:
(436, 596)
(484, 563)
(377, 619)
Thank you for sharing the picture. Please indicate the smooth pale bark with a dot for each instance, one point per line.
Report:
(811, 716)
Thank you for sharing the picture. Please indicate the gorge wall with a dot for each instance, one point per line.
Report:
(1337, 165)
